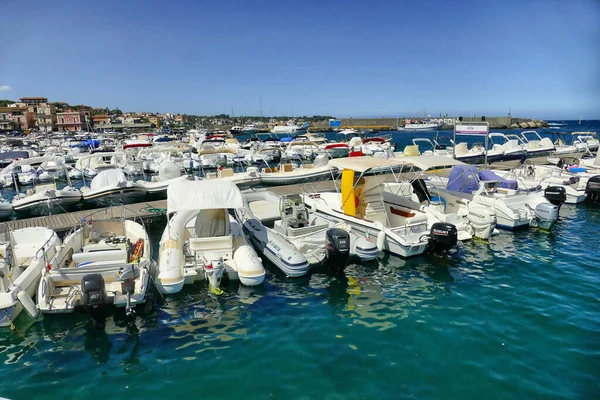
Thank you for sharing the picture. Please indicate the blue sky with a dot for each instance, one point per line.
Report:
(342, 58)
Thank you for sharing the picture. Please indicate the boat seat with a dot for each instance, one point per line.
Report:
(218, 243)
(308, 166)
(269, 170)
(305, 230)
(226, 172)
(287, 167)
(117, 256)
(264, 210)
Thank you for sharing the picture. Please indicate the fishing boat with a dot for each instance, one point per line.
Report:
(294, 239)
(202, 241)
(24, 254)
(102, 262)
(360, 203)
(112, 186)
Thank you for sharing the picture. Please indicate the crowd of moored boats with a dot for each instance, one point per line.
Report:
(221, 224)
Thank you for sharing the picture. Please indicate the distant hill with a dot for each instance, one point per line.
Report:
(4, 103)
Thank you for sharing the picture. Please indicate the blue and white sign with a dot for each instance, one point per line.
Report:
(335, 123)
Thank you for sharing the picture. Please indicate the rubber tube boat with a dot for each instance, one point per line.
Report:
(24, 254)
(360, 204)
(91, 165)
(202, 241)
(112, 186)
(101, 262)
(284, 230)
(536, 145)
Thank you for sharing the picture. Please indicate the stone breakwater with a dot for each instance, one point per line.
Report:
(392, 123)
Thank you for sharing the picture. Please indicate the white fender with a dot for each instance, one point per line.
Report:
(28, 304)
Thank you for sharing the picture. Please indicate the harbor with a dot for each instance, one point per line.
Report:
(222, 200)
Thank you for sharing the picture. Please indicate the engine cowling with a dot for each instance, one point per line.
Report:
(546, 215)
(592, 189)
(442, 236)
(93, 296)
(338, 247)
(482, 220)
(556, 195)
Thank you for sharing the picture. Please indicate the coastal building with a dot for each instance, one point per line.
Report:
(21, 118)
(72, 121)
(45, 117)
(101, 120)
(155, 120)
(33, 101)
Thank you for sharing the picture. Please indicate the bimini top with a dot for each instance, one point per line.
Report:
(433, 162)
(362, 164)
(203, 195)
(365, 163)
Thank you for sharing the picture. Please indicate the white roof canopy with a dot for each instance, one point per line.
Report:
(203, 195)
(362, 164)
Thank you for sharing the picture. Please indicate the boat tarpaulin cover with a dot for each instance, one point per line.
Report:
(487, 175)
(203, 195)
(463, 178)
(109, 177)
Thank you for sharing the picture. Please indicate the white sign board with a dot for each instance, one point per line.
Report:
(472, 128)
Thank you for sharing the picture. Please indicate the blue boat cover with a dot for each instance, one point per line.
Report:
(463, 178)
(287, 139)
(487, 175)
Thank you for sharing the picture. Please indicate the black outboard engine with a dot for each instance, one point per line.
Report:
(93, 296)
(443, 236)
(592, 189)
(420, 189)
(556, 195)
(338, 247)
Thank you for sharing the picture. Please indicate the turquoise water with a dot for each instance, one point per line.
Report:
(518, 317)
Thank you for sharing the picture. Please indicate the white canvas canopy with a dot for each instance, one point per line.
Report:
(436, 162)
(168, 170)
(203, 195)
(106, 178)
(362, 164)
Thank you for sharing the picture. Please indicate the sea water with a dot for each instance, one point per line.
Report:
(518, 317)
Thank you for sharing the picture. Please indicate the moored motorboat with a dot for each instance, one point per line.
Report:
(101, 262)
(112, 186)
(202, 241)
(24, 254)
(284, 230)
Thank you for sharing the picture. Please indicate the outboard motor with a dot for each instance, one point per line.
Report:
(214, 268)
(545, 215)
(592, 189)
(338, 247)
(556, 195)
(93, 296)
(482, 220)
(420, 189)
(127, 276)
(443, 236)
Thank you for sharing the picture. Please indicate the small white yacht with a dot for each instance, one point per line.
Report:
(101, 262)
(24, 254)
(289, 174)
(202, 241)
